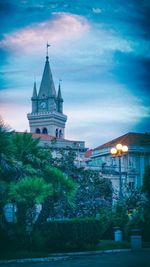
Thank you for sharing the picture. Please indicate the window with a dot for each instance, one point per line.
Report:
(60, 133)
(56, 133)
(37, 131)
(131, 185)
(44, 131)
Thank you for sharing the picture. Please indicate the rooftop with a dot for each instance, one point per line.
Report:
(128, 139)
(43, 136)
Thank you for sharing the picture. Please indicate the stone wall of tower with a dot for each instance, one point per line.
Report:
(54, 123)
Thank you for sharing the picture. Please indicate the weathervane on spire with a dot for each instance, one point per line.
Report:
(47, 46)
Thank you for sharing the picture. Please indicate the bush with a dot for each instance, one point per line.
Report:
(140, 220)
(110, 218)
(13, 237)
(4, 240)
(65, 235)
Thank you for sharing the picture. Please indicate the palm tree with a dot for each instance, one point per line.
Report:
(29, 192)
(63, 191)
(26, 152)
(25, 147)
(5, 147)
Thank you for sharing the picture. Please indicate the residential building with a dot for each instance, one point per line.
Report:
(133, 162)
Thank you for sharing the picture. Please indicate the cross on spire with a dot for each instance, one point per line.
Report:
(47, 46)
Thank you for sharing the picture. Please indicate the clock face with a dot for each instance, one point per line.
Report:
(43, 104)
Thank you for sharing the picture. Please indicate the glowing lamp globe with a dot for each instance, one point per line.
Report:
(113, 151)
(119, 146)
(124, 149)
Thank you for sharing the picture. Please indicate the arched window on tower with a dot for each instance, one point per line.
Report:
(60, 133)
(44, 131)
(37, 131)
(56, 133)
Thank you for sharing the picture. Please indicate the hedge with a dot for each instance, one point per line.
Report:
(74, 234)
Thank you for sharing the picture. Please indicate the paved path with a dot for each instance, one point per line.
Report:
(122, 259)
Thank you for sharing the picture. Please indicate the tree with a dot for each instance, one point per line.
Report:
(25, 147)
(63, 193)
(5, 149)
(93, 191)
(29, 192)
(65, 162)
(146, 181)
(5, 138)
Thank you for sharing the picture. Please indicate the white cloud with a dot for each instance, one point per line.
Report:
(70, 35)
(96, 10)
(61, 28)
(99, 124)
(114, 113)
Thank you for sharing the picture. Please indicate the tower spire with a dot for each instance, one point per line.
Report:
(59, 96)
(34, 98)
(34, 95)
(59, 99)
(47, 87)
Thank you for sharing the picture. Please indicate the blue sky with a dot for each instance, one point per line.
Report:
(101, 51)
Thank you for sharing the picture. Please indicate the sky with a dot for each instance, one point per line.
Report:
(100, 49)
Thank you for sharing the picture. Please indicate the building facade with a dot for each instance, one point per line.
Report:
(133, 162)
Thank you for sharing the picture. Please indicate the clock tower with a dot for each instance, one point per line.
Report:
(47, 107)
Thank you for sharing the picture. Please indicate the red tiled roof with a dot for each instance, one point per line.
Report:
(88, 153)
(49, 137)
(43, 136)
(128, 139)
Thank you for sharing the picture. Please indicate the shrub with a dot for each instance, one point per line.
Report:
(74, 234)
(4, 240)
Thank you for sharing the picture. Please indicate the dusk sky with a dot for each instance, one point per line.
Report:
(100, 49)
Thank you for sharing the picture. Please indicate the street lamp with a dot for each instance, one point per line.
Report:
(118, 151)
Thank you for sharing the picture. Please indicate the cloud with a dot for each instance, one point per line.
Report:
(101, 123)
(114, 113)
(96, 10)
(81, 38)
(61, 28)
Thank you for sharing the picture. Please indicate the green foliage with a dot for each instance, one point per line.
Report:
(25, 147)
(75, 234)
(29, 191)
(62, 185)
(119, 215)
(65, 162)
(4, 138)
(146, 181)
(3, 193)
(8, 164)
(140, 218)
(111, 244)
(4, 240)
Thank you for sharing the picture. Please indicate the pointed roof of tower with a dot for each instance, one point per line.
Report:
(34, 91)
(47, 88)
(59, 96)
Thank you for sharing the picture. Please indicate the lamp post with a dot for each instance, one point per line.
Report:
(118, 151)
